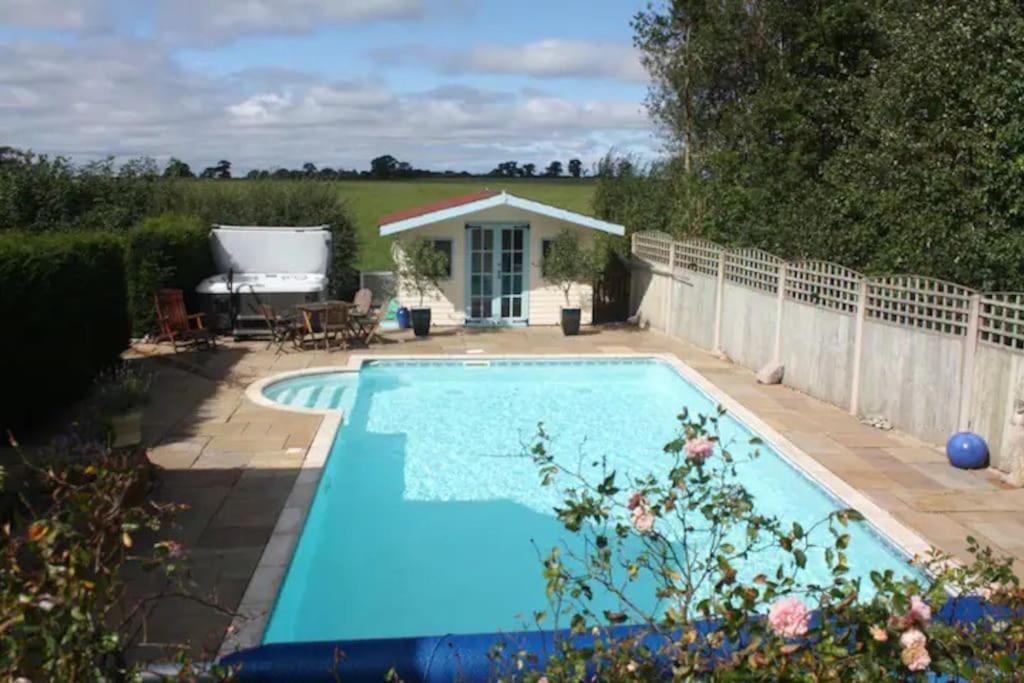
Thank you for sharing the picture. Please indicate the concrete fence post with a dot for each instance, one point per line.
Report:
(858, 346)
(967, 363)
(780, 302)
(719, 294)
(670, 314)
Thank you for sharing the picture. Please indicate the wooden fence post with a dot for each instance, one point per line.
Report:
(719, 294)
(780, 302)
(858, 344)
(967, 363)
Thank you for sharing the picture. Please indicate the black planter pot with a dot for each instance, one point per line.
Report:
(420, 321)
(571, 321)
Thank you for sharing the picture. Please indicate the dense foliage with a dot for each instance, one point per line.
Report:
(719, 590)
(886, 136)
(39, 193)
(79, 525)
(171, 250)
(64, 306)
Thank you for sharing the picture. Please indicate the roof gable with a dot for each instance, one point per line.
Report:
(459, 206)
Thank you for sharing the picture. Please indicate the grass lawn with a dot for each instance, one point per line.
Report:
(369, 200)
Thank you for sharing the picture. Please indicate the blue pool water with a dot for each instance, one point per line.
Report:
(430, 519)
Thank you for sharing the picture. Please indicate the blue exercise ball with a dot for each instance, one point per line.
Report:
(967, 450)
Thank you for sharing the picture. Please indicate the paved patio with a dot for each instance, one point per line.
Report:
(235, 463)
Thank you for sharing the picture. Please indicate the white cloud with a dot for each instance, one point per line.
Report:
(129, 98)
(53, 14)
(542, 59)
(210, 21)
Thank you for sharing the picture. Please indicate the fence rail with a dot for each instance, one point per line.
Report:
(913, 301)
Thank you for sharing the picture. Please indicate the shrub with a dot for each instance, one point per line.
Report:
(171, 250)
(64, 309)
(274, 202)
(81, 528)
(40, 193)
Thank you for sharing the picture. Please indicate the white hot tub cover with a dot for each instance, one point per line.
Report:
(277, 250)
(265, 283)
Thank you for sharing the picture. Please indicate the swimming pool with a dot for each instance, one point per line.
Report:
(429, 517)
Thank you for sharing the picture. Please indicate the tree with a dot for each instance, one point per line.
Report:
(554, 169)
(176, 168)
(309, 169)
(529, 170)
(568, 262)
(575, 168)
(221, 171)
(421, 266)
(383, 167)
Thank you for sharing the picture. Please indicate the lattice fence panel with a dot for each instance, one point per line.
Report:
(700, 256)
(653, 246)
(753, 268)
(1001, 319)
(823, 283)
(921, 302)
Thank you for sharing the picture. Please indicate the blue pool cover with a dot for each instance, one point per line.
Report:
(453, 657)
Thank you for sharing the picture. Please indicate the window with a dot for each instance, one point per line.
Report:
(545, 249)
(445, 247)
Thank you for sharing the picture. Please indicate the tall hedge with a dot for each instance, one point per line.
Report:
(171, 250)
(64, 316)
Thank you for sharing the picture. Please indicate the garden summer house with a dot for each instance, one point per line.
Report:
(495, 243)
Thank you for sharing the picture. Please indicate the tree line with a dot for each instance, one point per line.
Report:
(384, 167)
(887, 136)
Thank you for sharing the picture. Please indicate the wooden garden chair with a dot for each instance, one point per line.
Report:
(362, 302)
(177, 325)
(282, 329)
(338, 323)
(369, 325)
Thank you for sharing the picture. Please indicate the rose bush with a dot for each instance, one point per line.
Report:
(687, 534)
(78, 526)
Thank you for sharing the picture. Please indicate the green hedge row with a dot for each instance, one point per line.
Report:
(63, 318)
(170, 250)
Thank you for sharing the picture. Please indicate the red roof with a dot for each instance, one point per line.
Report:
(436, 206)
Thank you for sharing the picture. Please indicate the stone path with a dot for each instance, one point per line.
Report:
(234, 463)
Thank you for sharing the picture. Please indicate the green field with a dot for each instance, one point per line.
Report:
(369, 200)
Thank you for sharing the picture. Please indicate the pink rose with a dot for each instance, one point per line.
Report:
(879, 634)
(789, 617)
(643, 520)
(637, 500)
(919, 611)
(915, 651)
(699, 449)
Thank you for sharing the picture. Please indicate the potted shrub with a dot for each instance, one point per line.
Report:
(120, 394)
(566, 263)
(421, 268)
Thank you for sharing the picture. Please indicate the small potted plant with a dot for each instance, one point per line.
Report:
(567, 263)
(421, 266)
(120, 394)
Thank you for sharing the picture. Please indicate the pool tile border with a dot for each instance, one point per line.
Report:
(258, 600)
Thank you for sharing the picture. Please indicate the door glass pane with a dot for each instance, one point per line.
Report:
(485, 308)
(488, 236)
(517, 307)
(517, 261)
(488, 262)
(519, 239)
(506, 239)
(474, 238)
(517, 284)
(476, 262)
(505, 307)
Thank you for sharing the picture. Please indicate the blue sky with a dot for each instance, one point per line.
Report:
(267, 83)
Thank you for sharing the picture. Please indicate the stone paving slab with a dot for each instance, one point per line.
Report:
(236, 464)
